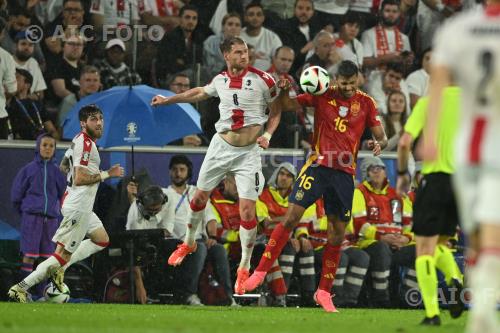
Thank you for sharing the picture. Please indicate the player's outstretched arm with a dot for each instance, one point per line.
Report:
(379, 141)
(82, 177)
(190, 96)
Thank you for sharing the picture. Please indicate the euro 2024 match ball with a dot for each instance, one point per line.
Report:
(314, 80)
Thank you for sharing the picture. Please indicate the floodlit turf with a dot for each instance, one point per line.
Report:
(90, 318)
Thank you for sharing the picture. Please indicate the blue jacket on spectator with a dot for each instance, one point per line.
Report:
(39, 186)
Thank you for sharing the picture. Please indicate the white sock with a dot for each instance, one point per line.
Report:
(40, 273)
(84, 250)
(194, 219)
(485, 286)
(247, 240)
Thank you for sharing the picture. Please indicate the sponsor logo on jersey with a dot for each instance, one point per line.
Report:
(272, 242)
(267, 254)
(333, 103)
(329, 276)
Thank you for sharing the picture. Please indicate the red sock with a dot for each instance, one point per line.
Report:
(331, 260)
(276, 243)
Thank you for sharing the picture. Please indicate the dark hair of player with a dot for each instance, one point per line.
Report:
(87, 111)
(347, 68)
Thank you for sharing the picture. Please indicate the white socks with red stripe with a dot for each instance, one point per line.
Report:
(84, 250)
(195, 216)
(248, 233)
(41, 271)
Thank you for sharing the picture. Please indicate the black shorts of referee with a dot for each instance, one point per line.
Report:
(435, 210)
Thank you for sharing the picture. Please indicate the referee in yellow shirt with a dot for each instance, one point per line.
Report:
(435, 216)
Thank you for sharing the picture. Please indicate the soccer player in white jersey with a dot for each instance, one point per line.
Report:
(473, 61)
(245, 93)
(78, 218)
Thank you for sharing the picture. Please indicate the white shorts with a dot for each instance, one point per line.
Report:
(478, 190)
(74, 227)
(243, 162)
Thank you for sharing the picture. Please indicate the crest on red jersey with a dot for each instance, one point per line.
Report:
(343, 110)
(355, 108)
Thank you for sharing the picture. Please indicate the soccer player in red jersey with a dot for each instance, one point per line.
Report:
(341, 115)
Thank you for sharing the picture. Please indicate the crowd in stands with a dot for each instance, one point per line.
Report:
(56, 52)
(390, 41)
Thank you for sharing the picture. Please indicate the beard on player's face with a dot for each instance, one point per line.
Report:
(179, 181)
(95, 133)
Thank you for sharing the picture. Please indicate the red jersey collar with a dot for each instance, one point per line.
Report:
(86, 136)
(492, 10)
(237, 76)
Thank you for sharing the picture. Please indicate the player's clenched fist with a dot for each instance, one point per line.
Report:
(159, 100)
(284, 84)
(116, 171)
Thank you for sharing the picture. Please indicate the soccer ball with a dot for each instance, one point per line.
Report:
(314, 80)
(53, 295)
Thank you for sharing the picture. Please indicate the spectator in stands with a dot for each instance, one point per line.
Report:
(19, 20)
(224, 7)
(382, 227)
(179, 194)
(330, 13)
(381, 83)
(352, 49)
(8, 84)
(164, 13)
(179, 84)
(36, 195)
(407, 23)
(271, 209)
(284, 136)
(280, 9)
(366, 10)
(418, 81)
(64, 77)
(181, 48)
(113, 69)
(395, 118)
(90, 83)
(384, 43)
(43, 11)
(353, 266)
(115, 14)
(28, 117)
(325, 54)
(72, 18)
(299, 31)
(264, 40)
(430, 15)
(213, 59)
(24, 60)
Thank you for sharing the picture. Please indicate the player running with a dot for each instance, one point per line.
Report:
(473, 62)
(78, 201)
(341, 116)
(245, 94)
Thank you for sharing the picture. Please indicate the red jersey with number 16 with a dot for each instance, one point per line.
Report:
(339, 123)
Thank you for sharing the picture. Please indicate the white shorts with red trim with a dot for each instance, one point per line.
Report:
(242, 162)
(74, 227)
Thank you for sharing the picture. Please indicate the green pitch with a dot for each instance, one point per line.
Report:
(90, 318)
